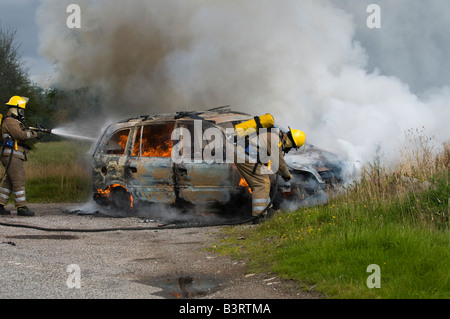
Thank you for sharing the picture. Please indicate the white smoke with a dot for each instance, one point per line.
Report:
(308, 62)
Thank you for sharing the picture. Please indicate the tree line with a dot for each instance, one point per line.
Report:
(49, 107)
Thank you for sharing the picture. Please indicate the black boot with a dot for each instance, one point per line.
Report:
(3, 211)
(24, 211)
(268, 214)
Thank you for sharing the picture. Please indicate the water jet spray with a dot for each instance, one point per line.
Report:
(64, 133)
(60, 132)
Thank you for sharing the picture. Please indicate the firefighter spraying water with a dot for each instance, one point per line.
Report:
(15, 133)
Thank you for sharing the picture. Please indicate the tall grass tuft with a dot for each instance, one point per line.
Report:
(409, 184)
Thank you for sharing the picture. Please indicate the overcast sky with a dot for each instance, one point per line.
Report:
(20, 16)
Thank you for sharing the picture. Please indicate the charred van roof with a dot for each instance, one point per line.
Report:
(216, 115)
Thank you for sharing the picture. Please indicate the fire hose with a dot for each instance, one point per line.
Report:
(100, 230)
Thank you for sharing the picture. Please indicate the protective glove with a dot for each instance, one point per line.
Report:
(39, 135)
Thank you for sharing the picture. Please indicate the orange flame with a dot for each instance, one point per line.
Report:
(164, 150)
(123, 140)
(244, 183)
(155, 150)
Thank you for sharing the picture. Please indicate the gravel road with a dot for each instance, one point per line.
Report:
(145, 264)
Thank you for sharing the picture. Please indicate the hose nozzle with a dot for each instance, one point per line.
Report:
(40, 129)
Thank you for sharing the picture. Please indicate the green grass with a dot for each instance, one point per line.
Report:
(58, 172)
(386, 218)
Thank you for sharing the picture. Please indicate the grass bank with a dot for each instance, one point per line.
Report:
(58, 172)
(395, 217)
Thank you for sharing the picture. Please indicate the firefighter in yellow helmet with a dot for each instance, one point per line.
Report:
(257, 174)
(293, 139)
(13, 153)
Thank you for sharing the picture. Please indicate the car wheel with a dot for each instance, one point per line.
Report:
(120, 199)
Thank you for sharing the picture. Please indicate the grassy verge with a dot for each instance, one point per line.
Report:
(58, 172)
(396, 218)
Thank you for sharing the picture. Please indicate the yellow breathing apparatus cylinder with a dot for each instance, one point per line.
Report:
(252, 126)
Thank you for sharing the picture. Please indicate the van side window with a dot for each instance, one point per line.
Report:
(156, 141)
(117, 143)
(198, 144)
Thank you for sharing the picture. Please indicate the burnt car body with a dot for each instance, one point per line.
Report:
(132, 165)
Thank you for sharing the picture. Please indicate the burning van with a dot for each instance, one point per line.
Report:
(134, 164)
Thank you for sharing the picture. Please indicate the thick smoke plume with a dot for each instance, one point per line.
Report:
(313, 64)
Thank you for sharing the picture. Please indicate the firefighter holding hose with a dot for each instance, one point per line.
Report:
(13, 154)
(257, 174)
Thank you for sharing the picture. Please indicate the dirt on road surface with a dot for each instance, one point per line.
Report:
(121, 264)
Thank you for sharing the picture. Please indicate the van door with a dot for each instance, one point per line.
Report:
(149, 168)
(198, 179)
(110, 158)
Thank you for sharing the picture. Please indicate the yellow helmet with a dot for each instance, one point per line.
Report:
(18, 101)
(298, 137)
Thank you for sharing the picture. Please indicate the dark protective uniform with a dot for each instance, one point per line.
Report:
(13, 155)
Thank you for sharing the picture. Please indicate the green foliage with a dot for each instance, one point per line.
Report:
(13, 77)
